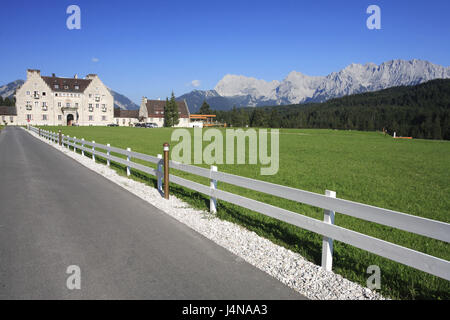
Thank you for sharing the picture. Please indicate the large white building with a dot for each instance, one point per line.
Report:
(57, 101)
(43, 100)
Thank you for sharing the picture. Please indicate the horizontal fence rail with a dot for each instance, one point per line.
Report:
(422, 226)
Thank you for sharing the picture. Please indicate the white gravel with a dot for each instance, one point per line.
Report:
(288, 267)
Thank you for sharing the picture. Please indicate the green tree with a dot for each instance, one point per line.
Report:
(275, 120)
(205, 108)
(258, 118)
(236, 120)
(168, 121)
(174, 109)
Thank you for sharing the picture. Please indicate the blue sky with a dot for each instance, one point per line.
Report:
(153, 47)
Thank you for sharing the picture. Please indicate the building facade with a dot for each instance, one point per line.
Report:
(126, 118)
(152, 111)
(8, 115)
(43, 100)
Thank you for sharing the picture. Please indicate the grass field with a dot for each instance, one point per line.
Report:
(411, 176)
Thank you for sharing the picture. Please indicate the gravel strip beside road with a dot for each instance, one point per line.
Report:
(288, 267)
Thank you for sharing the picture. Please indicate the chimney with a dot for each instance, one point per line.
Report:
(30, 72)
(53, 75)
(75, 76)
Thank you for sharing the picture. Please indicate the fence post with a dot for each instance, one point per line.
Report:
(327, 243)
(39, 132)
(60, 137)
(166, 170)
(82, 145)
(160, 172)
(74, 145)
(108, 153)
(68, 142)
(128, 160)
(213, 186)
(93, 151)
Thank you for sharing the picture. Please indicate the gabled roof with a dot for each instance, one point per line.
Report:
(8, 111)
(119, 113)
(155, 108)
(67, 84)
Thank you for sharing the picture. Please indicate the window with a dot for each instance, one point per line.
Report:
(96, 105)
(36, 95)
(68, 104)
(66, 87)
(90, 95)
(103, 118)
(91, 118)
(77, 87)
(56, 86)
(60, 117)
(97, 98)
(56, 94)
(76, 104)
(11, 119)
(123, 121)
(28, 93)
(29, 105)
(44, 106)
(4, 118)
(59, 104)
(90, 107)
(44, 117)
(29, 117)
(36, 104)
(43, 93)
(104, 107)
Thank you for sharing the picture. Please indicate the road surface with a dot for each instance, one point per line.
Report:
(55, 213)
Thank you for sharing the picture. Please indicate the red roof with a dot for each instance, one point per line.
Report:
(67, 84)
(155, 108)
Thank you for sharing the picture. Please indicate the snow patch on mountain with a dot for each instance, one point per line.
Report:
(297, 88)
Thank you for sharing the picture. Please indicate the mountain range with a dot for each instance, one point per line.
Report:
(298, 88)
(120, 101)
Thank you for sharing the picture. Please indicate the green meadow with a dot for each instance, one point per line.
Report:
(411, 176)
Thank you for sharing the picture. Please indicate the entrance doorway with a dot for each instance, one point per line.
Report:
(70, 119)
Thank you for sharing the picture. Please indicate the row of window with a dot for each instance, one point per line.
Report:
(11, 119)
(66, 87)
(45, 118)
(45, 106)
(64, 94)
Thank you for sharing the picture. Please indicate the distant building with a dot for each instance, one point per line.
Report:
(126, 117)
(8, 115)
(152, 111)
(43, 100)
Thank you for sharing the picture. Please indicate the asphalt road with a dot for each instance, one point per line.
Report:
(55, 213)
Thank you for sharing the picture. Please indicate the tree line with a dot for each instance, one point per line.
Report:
(7, 101)
(421, 111)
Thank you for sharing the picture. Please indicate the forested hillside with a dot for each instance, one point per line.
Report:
(421, 111)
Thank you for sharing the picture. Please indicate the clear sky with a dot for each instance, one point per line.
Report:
(153, 47)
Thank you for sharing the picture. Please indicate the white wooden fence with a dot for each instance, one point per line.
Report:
(414, 224)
